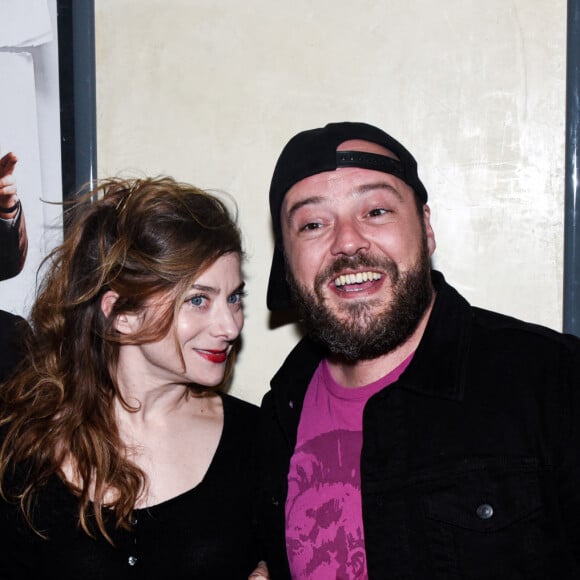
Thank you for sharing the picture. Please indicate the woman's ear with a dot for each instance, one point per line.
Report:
(123, 322)
(108, 301)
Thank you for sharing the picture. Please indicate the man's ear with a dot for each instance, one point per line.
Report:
(123, 323)
(428, 229)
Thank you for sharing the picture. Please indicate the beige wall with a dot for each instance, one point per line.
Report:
(211, 90)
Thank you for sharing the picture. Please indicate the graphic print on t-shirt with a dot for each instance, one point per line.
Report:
(324, 521)
(324, 535)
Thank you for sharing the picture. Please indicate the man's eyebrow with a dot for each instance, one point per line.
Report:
(360, 190)
(365, 188)
(299, 204)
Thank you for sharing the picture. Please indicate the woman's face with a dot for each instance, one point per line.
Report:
(208, 322)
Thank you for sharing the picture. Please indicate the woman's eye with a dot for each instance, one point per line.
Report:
(236, 298)
(197, 300)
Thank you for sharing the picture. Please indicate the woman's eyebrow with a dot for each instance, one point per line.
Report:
(203, 288)
(213, 290)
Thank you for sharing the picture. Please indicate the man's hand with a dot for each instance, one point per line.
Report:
(8, 197)
(7, 164)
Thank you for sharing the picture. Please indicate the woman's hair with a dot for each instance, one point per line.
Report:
(141, 238)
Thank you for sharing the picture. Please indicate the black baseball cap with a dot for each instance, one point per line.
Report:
(314, 151)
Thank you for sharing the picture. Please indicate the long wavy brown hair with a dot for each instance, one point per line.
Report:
(141, 238)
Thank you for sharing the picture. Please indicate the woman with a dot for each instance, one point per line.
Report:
(120, 456)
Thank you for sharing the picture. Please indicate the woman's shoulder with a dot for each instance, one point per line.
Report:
(240, 442)
(240, 406)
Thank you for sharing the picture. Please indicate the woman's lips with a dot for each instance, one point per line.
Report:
(214, 356)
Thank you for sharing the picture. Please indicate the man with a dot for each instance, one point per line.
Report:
(13, 251)
(408, 434)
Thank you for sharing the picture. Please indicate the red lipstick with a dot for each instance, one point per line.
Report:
(214, 356)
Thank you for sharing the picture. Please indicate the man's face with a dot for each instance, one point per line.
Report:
(358, 256)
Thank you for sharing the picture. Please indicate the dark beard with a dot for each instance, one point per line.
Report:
(364, 333)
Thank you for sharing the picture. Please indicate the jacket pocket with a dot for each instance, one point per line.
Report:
(490, 522)
(483, 501)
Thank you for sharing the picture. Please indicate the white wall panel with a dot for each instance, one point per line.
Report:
(211, 90)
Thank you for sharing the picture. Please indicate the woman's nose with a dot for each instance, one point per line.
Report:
(229, 323)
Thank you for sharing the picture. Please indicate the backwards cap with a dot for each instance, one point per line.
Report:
(314, 151)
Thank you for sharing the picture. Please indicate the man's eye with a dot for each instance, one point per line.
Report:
(310, 226)
(378, 212)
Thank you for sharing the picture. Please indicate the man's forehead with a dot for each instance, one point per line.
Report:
(342, 182)
(338, 176)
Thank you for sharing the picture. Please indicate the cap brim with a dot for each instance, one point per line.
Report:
(278, 296)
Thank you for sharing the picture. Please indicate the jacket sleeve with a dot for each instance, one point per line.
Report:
(13, 245)
(272, 493)
(568, 475)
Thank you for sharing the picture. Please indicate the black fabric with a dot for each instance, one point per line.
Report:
(314, 151)
(487, 413)
(204, 533)
(278, 294)
(370, 161)
(12, 332)
(13, 246)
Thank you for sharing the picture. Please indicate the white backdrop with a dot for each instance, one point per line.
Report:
(211, 90)
(30, 127)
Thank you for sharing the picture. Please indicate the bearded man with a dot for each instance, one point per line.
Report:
(408, 434)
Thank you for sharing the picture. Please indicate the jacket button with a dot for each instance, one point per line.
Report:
(484, 511)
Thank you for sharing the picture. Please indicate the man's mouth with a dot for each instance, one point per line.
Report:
(358, 278)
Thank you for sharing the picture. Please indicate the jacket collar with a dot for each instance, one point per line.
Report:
(439, 365)
(289, 384)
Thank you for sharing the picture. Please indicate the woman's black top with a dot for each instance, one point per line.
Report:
(206, 532)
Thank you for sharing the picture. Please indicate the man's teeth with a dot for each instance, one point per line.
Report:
(357, 278)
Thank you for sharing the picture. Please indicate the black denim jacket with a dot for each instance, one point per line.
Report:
(470, 465)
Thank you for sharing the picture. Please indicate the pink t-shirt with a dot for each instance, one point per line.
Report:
(324, 529)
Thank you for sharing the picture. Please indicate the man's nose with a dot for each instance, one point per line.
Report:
(348, 238)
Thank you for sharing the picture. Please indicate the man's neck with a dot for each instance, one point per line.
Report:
(363, 372)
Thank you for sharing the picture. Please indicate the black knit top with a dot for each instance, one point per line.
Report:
(205, 532)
